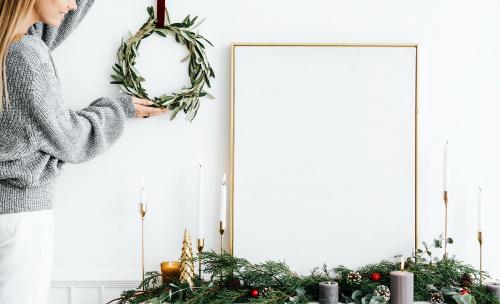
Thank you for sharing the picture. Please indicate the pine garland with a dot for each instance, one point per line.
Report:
(239, 278)
(231, 280)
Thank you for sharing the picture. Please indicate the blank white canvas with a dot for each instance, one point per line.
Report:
(324, 154)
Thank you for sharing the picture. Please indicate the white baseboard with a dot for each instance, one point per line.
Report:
(95, 275)
(126, 285)
(86, 287)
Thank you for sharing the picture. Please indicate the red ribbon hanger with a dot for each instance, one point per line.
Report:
(160, 12)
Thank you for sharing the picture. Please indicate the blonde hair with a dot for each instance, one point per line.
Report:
(11, 14)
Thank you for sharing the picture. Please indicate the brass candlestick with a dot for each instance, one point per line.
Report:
(222, 228)
(480, 239)
(201, 244)
(142, 210)
(445, 198)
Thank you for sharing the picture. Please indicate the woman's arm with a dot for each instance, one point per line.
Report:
(68, 135)
(54, 36)
(79, 136)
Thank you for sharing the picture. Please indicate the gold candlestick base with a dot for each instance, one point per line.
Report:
(201, 245)
(480, 240)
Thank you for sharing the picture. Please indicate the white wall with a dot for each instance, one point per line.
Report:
(96, 205)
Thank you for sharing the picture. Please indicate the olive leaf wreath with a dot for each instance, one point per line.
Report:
(186, 99)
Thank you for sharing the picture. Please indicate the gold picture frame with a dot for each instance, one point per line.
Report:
(234, 46)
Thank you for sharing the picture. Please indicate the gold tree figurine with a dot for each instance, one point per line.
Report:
(187, 264)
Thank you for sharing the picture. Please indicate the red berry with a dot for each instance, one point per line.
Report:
(254, 293)
(375, 276)
(464, 292)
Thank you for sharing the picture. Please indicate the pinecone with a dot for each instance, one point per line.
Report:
(437, 298)
(383, 291)
(265, 291)
(353, 277)
(233, 283)
(338, 277)
(465, 280)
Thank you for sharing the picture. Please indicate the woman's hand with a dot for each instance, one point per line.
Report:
(143, 109)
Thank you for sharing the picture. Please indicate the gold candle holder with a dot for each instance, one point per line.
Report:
(142, 210)
(445, 198)
(170, 270)
(221, 232)
(201, 245)
(480, 240)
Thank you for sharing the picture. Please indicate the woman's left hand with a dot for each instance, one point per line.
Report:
(143, 108)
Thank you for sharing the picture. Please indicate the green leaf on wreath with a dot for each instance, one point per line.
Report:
(193, 21)
(151, 12)
(161, 33)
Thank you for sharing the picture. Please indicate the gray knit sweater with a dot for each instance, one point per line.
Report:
(38, 133)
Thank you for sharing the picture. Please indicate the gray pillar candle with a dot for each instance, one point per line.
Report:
(494, 288)
(401, 287)
(328, 293)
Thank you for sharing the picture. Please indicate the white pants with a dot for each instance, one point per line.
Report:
(26, 257)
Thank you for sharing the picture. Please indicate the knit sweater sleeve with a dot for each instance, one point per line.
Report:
(74, 136)
(54, 36)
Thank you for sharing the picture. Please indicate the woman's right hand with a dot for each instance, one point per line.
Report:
(143, 108)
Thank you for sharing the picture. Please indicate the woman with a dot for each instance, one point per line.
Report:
(38, 135)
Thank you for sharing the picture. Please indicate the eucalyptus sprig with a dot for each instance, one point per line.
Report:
(186, 99)
(421, 255)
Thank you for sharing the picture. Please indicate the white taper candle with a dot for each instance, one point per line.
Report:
(223, 202)
(480, 220)
(201, 231)
(445, 165)
(141, 198)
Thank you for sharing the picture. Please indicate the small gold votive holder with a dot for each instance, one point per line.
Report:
(170, 270)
